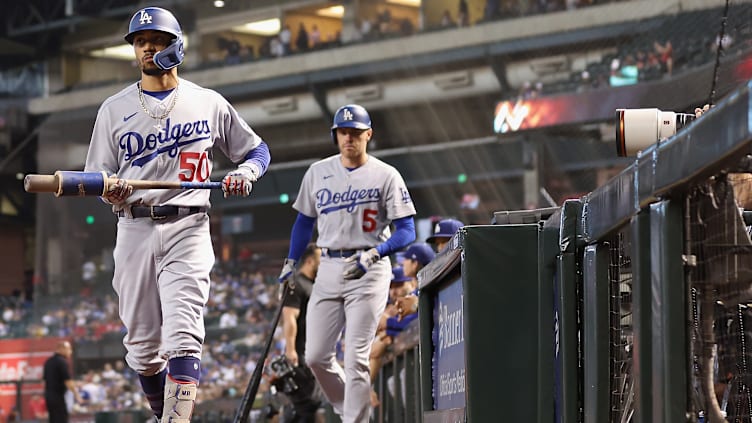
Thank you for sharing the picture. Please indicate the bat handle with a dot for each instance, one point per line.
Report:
(200, 185)
(41, 183)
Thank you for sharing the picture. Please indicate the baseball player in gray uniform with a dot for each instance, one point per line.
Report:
(353, 198)
(163, 128)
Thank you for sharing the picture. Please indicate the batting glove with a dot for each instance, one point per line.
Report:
(357, 264)
(240, 181)
(118, 192)
(287, 269)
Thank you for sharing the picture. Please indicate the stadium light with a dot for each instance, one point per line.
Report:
(332, 12)
(264, 27)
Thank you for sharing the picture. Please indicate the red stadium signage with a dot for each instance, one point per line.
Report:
(22, 362)
(599, 105)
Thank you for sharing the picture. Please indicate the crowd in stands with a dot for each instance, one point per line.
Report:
(308, 37)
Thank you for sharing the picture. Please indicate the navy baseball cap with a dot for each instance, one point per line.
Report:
(398, 275)
(445, 228)
(420, 252)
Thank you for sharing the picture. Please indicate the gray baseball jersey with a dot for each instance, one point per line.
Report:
(126, 141)
(353, 211)
(353, 208)
(162, 267)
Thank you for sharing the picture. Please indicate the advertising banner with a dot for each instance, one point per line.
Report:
(21, 367)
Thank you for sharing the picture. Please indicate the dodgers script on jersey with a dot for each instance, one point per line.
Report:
(353, 208)
(127, 142)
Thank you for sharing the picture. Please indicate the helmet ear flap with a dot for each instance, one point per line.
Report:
(171, 56)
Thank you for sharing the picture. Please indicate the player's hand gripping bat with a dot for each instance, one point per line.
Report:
(72, 183)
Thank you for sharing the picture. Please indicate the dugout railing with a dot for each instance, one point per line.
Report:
(653, 280)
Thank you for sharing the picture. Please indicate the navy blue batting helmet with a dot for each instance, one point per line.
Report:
(158, 19)
(350, 116)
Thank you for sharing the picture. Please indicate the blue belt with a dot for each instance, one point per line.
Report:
(331, 253)
(161, 212)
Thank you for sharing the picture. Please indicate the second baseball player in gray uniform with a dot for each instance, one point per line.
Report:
(353, 198)
(164, 128)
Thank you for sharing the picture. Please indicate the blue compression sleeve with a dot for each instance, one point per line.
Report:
(404, 234)
(302, 231)
(260, 156)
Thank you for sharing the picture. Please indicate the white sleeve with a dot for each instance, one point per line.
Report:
(236, 137)
(305, 203)
(103, 148)
(399, 204)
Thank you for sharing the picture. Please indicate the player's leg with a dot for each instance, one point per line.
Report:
(365, 300)
(325, 319)
(185, 263)
(134, 281)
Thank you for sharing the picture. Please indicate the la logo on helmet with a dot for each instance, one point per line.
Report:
(347, 115)
(145, 17)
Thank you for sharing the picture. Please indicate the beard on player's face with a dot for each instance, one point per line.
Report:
(152, 71)
(148, 67)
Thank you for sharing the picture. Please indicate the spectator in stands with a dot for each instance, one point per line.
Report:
(305, 399)
(625, 73)
(526, 91)
(666, 55)
(406, 27)
(443, 231)
(365, 29)
(94, 391)
(463, 14)
(57, 380)
(276, 48)
(301, 41)
(37, 408)
(315, 37)
(446, 19)
(229, 319)
(727, 41)
(491, 10)
(233, 52)
(285, 39)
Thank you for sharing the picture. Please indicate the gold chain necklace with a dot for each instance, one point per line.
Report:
(161, 117)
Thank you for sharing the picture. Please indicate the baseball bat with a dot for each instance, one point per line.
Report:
(64, 183)
(246, 403)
